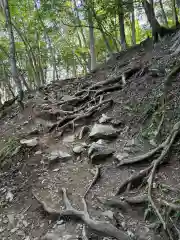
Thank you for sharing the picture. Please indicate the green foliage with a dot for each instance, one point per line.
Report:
(57, 33)
(7, 150)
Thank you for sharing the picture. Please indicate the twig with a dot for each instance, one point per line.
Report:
(96, 177)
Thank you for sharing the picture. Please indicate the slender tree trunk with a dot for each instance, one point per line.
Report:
(121, 25)
(149, 10)
(108, 47)
(174, 12)
(133, 25)
(91, 36)
(163, 14)
(12, 49)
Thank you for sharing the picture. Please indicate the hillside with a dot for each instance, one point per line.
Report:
(98, 138)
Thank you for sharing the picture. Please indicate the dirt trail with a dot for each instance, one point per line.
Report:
(64, 125)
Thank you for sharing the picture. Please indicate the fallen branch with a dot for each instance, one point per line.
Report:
(95, 179)
(99, 227)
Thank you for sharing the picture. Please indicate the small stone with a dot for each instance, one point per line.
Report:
(98, 152)
(38, 152)
(14, 230)
(69, 139)
(5, 221)
(100, 131)
(108, 214)
(25, 223)
(20, 233)
(84, 130)
(2, 229)
(60, 222)
(11, 219)
(25, 123)
(29, 142)
(59, 155)
(56, 169)
(130, 234)
(104, 118)
(121, 155)
(9, 196)
(78, 149)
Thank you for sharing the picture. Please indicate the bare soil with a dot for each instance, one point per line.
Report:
(26, 172)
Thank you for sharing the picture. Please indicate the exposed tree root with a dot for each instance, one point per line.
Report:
(75, 101)
(89, 113)
(95, 179)
(142, 157)
(99, 227)
(108, 89)
(165, 146)
(156, 163)
(134, 180)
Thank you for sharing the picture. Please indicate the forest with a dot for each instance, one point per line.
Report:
(89, 120)
(42, 41)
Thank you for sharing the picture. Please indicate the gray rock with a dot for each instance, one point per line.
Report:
(121, 155)
(104, 118)
(98, 152)
(108, 214)
(29, 142)
(78, 149)
(58, 155)
(67, 98)
(84, 130)
(100, 131)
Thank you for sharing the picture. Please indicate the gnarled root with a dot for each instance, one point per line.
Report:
(99, 227)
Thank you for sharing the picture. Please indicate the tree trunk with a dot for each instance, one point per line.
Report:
(91, 39)
(174, 12)
(163, 14)
(121, 25)
(12, 49)
(156, 28)
(108, 47)
(133, 25)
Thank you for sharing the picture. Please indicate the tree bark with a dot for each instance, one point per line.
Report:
(163, 14)
(121, 25)
(174, 12)
(91, 39)
(108, 47)
(133, 25)
(12, 49)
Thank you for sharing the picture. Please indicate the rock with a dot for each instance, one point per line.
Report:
(98, 152)
(100, 131)
(9, 196)
(121, 155)
(58, 155)
(116, 122)
(78, 149)
(69, 138)
(108, 214)
(67, 98)
(29, 142)
(104, 118)
(84, 130)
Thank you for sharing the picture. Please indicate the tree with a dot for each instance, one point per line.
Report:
(12, 50)
(121, 24)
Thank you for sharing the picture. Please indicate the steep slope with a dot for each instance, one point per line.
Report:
(80, 135)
